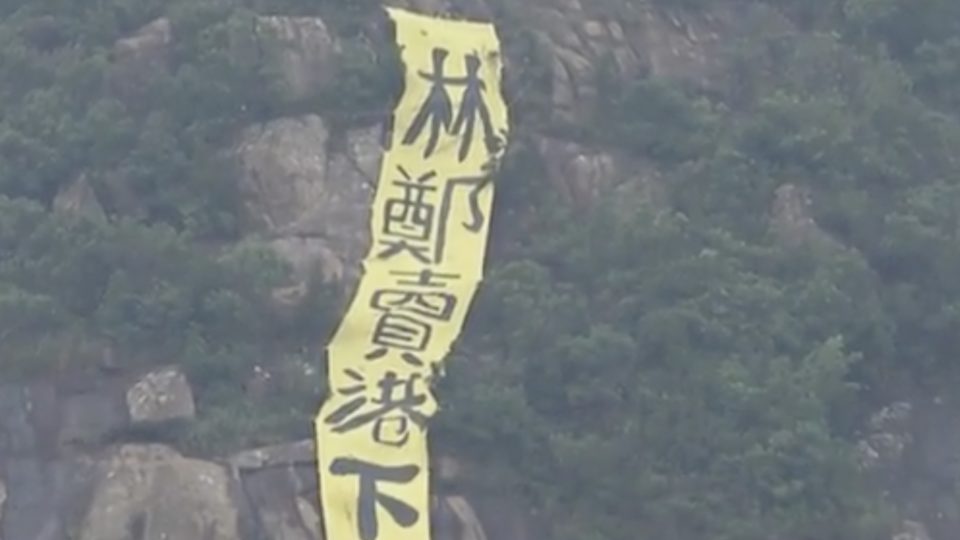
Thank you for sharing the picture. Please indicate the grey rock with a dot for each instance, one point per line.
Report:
(27, 508)
(161, 395)
(17, 434)
(631, 38)
(680, 45)
(280, 485)
(310, 517)
(141, 57)
(3, 502)
(472, 9)
(504, 516)
(888, 437)
(792, 223)
(297, 453)
(284, 172)
(311, 206)
(275, 493)
(45, 497)
(895, 416)
(308, 257)
(78, 198)
(466, 524)
(912, 530)
(301, 51)
(151, 491)
(578, 174)
(88, 418)
(582, 176)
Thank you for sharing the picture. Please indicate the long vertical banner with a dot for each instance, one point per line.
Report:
(429, 225)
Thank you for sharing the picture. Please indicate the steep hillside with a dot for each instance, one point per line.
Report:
(723, 297)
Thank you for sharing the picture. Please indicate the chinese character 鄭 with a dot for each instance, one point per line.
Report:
(413, 223)
(408, 222)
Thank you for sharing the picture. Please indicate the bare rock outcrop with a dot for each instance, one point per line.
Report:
(299, 54)
(280, 484)
(792, 222)
(151, 491)
(311, 204)
(888, 437)
(912, 530)
(583, 175)
(284, 172)
(132, 490)
(78, 198)
(582, 40)
(280, 487)
(299, 51)
(624, 39)
(89, 418)
(138, 59)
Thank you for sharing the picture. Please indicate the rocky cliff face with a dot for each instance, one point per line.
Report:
(76, 463)
(76, 458)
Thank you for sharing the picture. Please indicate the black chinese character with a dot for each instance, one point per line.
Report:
(370, 473)
(438, 110)
(413, 224)
(409, 314)
(400, 331)
(410, 218)
(424, 278)
(472, 105)
(432, 305)
(476, 185)
(395, 407)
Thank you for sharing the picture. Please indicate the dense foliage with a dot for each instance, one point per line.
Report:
(635, 371)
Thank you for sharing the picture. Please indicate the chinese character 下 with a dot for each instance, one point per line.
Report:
(369, 474)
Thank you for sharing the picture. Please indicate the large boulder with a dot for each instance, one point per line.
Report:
(284, 172)
(160, 396)
(151, 491)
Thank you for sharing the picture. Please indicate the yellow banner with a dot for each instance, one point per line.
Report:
(429, 222)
